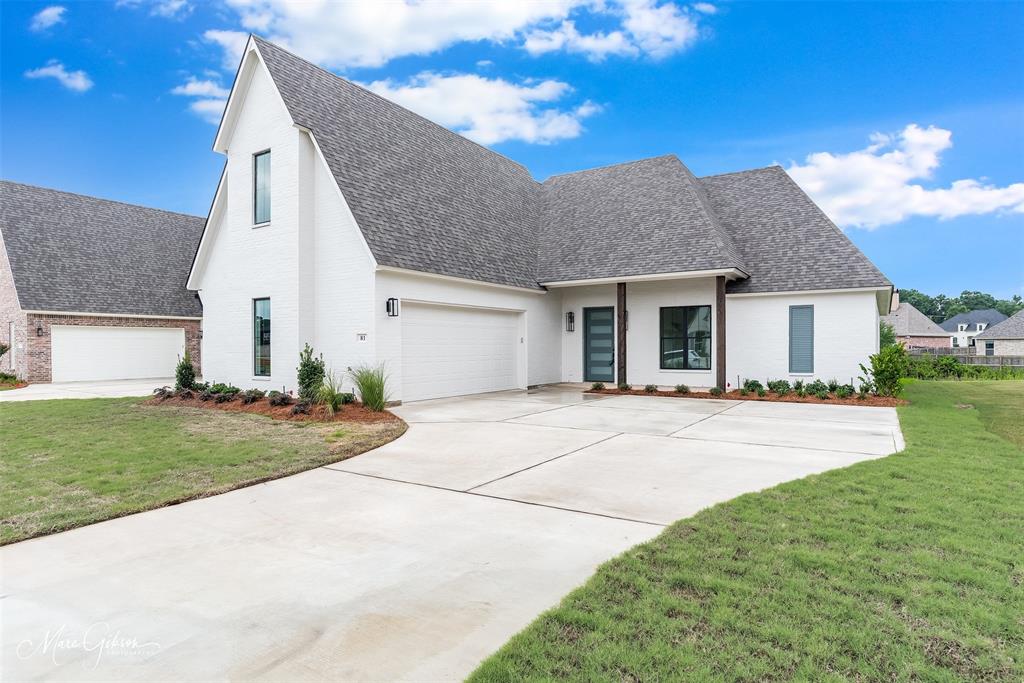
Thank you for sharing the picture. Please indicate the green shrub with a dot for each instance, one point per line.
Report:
(371, 383)
(779, 386)
(833, 384)
(331, 395)
(252, 395)
(822, 394)
(651, 388)
(743, 391)
(761, 392)
(597, 386)
(752, 385)
(300, 409)
(185, 394)
(886, 334)
(682, 389)
(311, 374)
(221, 388)
(206, 395)
(225, 396)
(844, 391)
(163, 393)
(8, 377)
(184, 373)
(888, 366)
(279, 398)
(716, 391)
(625, 387)
(800, 392)
(4, 348)
(815, 387)
(862, 395)
(798, 385)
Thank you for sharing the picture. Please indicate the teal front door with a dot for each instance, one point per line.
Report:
(599, 344)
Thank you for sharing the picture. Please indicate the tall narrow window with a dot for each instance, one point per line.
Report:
(261, 337)
(801, 339)
(261, 188)
(686, 338)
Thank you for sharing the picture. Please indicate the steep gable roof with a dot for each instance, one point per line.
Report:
(73, 253)
(989, 316)
(787, 241)
(1011, 328)
(907, 321)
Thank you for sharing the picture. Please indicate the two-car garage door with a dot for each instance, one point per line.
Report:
(81, 353)
(456, 350)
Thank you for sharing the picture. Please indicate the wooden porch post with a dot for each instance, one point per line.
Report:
(720, 331)
(621, 327)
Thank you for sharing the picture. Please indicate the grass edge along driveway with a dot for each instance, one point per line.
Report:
(910, 567)
(68, 463)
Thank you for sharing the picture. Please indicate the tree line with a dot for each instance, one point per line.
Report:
(941, 307)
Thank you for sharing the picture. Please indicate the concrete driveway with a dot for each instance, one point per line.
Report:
(414, 561)
(105, 389)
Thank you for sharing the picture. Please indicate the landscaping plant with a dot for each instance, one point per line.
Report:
(779, 386)
(331, 396)
(752, 385)
(279, 398)
(184, 373)
(833, 384)
(716, 391)
(300, 409)
(185, 394)
(4, 348)
(371, 383)
(597, 386)
(888, 366)
(651, 388)
(761, 392)
(251, 396)
(311, 373)
(886, 334)
(682, 389)
(163, 393)
(625, 387)
(815, 387)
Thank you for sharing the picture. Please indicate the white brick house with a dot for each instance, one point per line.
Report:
(347, 222)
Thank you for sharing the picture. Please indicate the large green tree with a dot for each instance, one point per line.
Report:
(941, 307)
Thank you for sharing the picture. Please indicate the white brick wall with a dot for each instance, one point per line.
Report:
(10, 312)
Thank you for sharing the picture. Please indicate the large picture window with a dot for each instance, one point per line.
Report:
(261, 187)
(261, 337)
(686, 338)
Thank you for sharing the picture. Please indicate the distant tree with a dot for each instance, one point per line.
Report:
(1009, 306)
(886, 334)
(941, 307)
(975, 301)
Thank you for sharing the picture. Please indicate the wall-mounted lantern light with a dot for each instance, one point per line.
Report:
(391, 305)
(570, 321)
(39, 330)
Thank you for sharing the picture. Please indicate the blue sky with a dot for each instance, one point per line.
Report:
(905, 121)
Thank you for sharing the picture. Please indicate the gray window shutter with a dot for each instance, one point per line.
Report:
(801, 338)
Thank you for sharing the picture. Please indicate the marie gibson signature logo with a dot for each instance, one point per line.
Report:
(98, 640)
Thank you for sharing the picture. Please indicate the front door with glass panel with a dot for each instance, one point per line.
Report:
(599, 344)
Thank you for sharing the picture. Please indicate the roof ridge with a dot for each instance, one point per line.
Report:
(616, 164)
(102, 199)
(391, 103)
(748, 170)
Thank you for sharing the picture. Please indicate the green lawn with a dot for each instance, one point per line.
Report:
(906, 568)
(73, 462)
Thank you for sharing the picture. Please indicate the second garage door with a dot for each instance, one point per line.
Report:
(80, 353)
(455, 350)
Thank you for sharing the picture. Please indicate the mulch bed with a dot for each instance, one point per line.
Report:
(7, 386)
(734, 395)
(351, 412)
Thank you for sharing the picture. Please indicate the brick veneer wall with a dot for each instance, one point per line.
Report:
(38, 347)
(10, 312)
(927, 342)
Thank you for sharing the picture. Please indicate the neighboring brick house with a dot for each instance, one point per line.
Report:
(914, 329)
(966, 326)
(92, 289)
(1003, 339)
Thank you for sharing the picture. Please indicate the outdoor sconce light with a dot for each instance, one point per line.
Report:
(570, 321)
(392, 307)
(39, 330)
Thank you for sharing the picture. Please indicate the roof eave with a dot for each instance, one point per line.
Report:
(729, 273)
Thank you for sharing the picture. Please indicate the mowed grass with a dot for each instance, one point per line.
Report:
(72, 462)
(907, 568)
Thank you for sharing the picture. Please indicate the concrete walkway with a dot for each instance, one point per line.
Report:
(411, 562)
(106, 389)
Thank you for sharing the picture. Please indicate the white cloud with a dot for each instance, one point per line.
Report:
(875, 186)
(490, 111)
(705, 8)
(232, 43)
(168, 9)
(47, 18)
(211, 97)
(369, 34)
(78, 81)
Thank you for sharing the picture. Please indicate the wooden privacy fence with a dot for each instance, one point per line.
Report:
(971, 358)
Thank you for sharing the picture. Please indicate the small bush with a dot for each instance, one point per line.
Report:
(207, 395)
(279, 398)
(8, 377)
(761, 392)
(844, 391)
(752, 385)
(251, 396)
(372, 384)
(300, 409)
(221, 388)
(743, 391)
(199, 387)
(184, 373)
(800, 392)
(822, 394)
(163, 393)
(597, 386)
(625, 387)
(331, 395)
(4, 348)
(716, 391)
(798, 385)
(815, 387)
(682, 389)
(779, 386)
(186, 394)
(651, 388)
(833, 384)
(888, 366)
(225, 396)
(862, 395)
(311, 374)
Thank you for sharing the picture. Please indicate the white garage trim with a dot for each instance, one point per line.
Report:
(457, 350)
(85, 352)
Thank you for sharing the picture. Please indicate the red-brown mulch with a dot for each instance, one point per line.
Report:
(734, 395)
(351, 412)
(17, 385)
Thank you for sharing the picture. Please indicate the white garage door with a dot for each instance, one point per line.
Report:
(81, 353)
(452, 350)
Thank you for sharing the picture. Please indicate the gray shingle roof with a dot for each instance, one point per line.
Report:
(1011, 328)
(989, 316)
(788, 243)
(648, 216)
(430, 200)
(81, 254)
(907, 321)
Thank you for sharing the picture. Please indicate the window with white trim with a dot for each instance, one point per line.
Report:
(801, 339)
(261, 187)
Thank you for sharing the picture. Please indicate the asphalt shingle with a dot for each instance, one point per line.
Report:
(907, 321)
(1010, 328)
